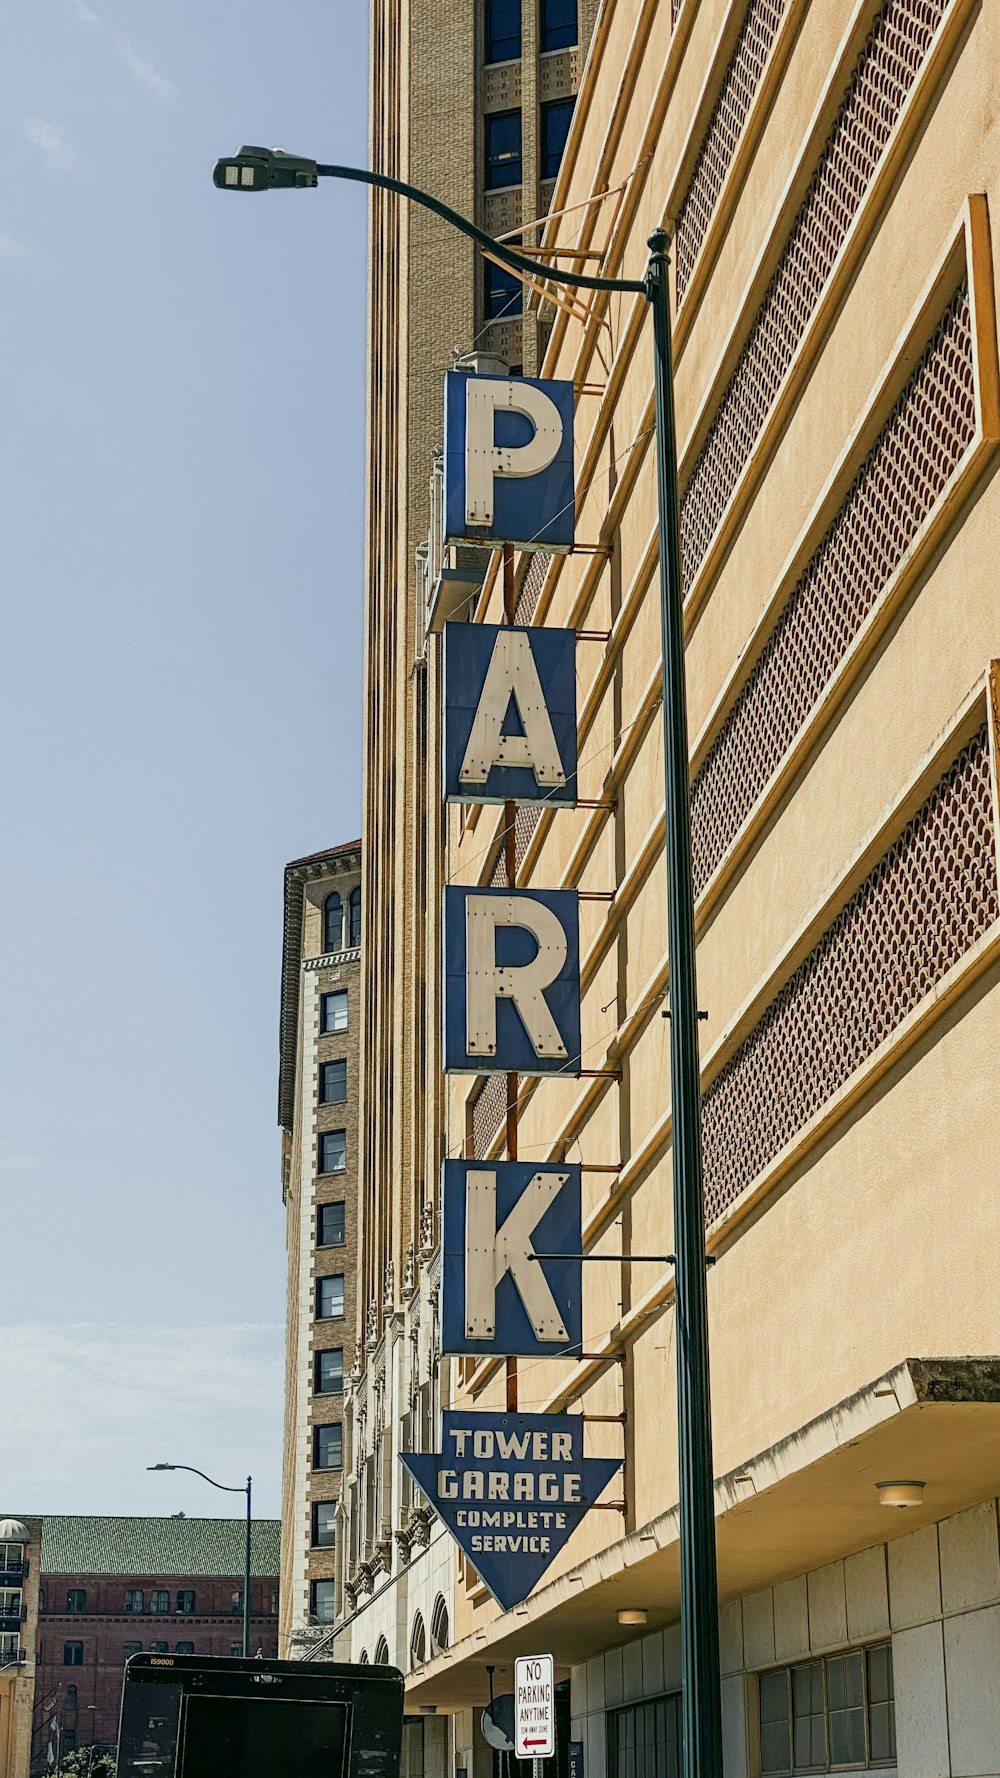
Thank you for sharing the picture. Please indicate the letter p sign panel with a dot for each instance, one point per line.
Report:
(508, 447)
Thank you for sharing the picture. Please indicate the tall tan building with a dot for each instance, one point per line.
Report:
(830, 171)
(20, 1567)
(318, 1114)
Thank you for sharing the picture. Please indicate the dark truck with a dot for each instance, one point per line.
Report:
(188, 1716)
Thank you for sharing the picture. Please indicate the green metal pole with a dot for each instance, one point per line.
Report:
(246, 1580)
(701, 1700)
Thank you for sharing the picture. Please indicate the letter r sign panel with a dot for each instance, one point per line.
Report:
(508, 461)
(509, 714)
(512, 981)
(497, 1298)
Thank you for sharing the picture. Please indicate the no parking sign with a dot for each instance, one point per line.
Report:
(534, 1707)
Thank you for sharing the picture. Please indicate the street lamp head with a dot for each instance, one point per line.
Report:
(260, 169)
(161, 1466)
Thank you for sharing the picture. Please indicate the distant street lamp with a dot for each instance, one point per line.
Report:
(246, 1563)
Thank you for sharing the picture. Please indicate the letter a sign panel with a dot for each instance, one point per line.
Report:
(497, 1298)
(508, 461)
(512, 981)
(509, 714)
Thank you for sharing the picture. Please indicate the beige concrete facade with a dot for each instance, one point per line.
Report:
(20, 1568)
(318, 1098)
(831, 173)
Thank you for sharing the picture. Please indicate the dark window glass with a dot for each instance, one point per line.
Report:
(324, 1534)
(502, 158)
(76, 1599)
(69, 1740)
(131, 1648)
(332, 1082)
(808, 1717)
(133, 1600)
(236, 1603)
(333, 1011)
(159, 1648)
(72, 1654)
(185, 1648)
(502, 292)
(330, 1224)
(322, 1600)
(236, 1648)
(328, 1446)
(846, 1695)
(556, 119)
(881, 1709)
(159, 1601)
(502, 32)
(72, 1697)
(644, 1740)
(333, 923)
(822, 1716)
(330, 1297)
(332, 1156)
(557, 24)
(185, 1602)
(354, 911)
(328, 1370)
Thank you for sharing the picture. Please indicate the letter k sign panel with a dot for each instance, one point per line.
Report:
(508, 461)
(509, 714)
(497, 1299)
(512, 981)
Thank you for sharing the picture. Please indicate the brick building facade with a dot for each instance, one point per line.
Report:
(110, 1587)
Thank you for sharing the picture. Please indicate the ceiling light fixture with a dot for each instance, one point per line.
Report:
(900, 1493)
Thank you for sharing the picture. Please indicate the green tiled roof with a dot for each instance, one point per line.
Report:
(79, 1544)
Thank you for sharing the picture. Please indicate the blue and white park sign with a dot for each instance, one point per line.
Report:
(511, 1489)
(497, 1297)
(508, 461)
(512, 981)
(509, 714)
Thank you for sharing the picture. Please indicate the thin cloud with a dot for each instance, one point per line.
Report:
(14, 252)
(143, 72)
(84, 13)
(18, 1163)
(51, 141)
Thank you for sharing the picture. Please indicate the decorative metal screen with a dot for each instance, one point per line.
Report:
(531, 586)
(739, 87)
(926, 902)
(921, 444)
(883, 77)
(488, 1113)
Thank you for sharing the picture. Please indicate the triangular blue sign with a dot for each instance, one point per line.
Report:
(511, 1489)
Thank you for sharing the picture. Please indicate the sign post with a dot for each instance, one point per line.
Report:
(534, 1710)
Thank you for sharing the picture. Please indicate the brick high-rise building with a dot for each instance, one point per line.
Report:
(318, 1113)
(112, 1586)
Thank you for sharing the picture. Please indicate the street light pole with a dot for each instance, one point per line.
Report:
(247, 1546)
(261, 169)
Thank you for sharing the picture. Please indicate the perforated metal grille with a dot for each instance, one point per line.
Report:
(923, 441)
(742, 78)
(917, 913)
(488, 1113)
(531, 586)
(883, 76)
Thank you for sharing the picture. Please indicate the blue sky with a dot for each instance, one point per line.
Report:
(182, 523)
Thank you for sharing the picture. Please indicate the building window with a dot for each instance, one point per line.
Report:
(332, 1082)
(328, 1446)
(333, 1011)
(159, 1648)
(502, 32)
(418, 1642)
(69, 1740)
(236, 1648)
(130, 1649)
(822, 1715)
(72, 1697)
(556, 118)
(439, 1626)
(644, 1740)
(324, 1532)
(502, 156)
(185, 1602)
(185, 1648)
(72, 1654)
(159, 1601)
(502, 292)
(236, 1603)
(333, 923)
(133, 1600)
(330, 1297)
(330, 1224)
(322, 1601)
(11, 1557)
(328, 1371)
(333, 1151)
(76, 1599)
(557, 24)
(354, 918)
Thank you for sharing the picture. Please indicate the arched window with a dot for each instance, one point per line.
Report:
(418, 1642)
(71, 1697)
(363, 1658)
(354, 923)
(381, 1652)
(439, 1626)
(333, 923)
